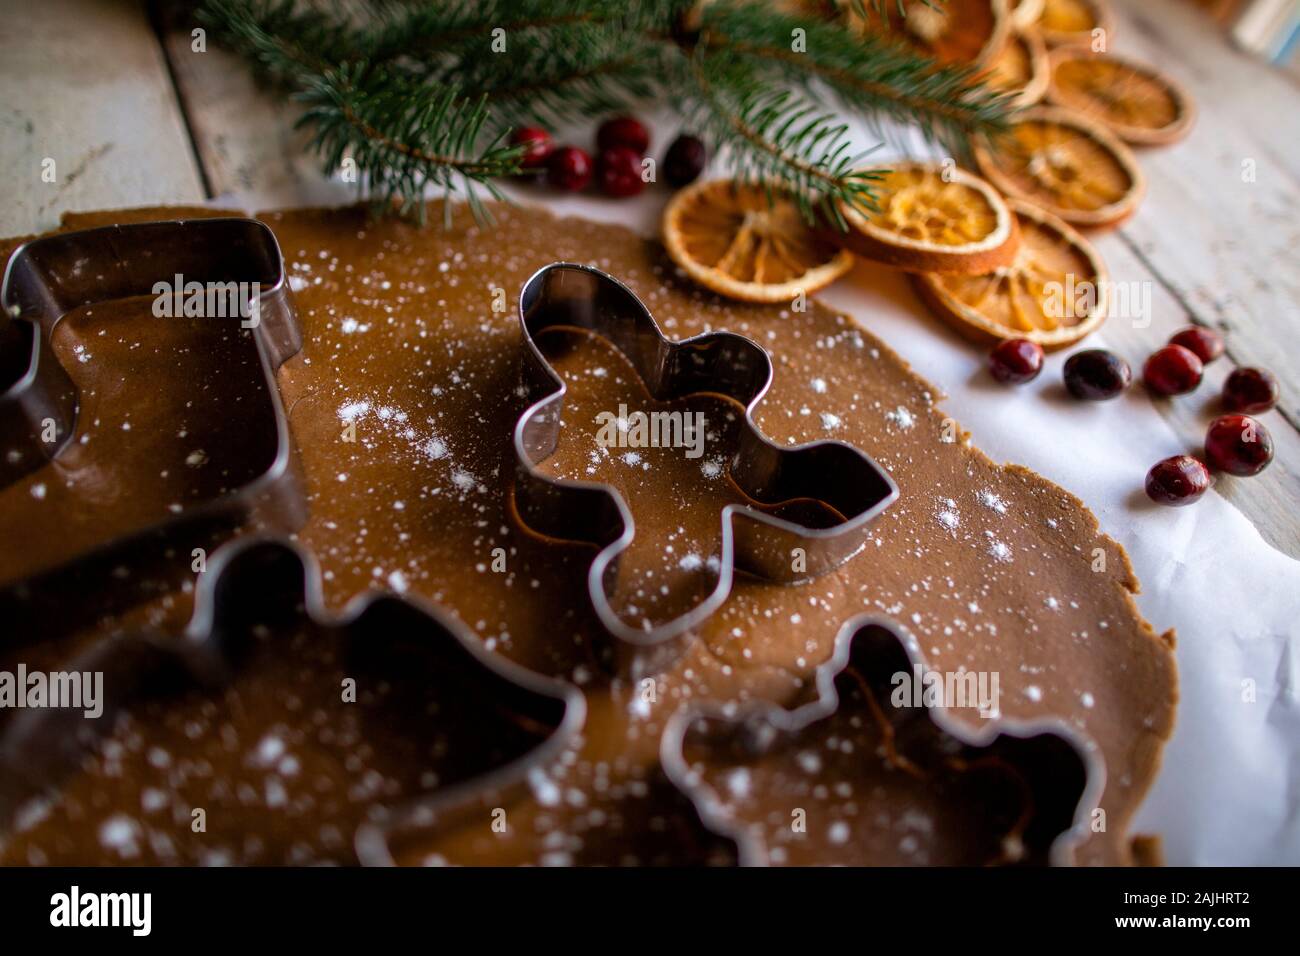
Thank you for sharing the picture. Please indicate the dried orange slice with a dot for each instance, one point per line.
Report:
(1069, 22)
(1021, 68)
(1137, 103)
(1066, 163)
(933, 219)
(953, 31)
(1025, 13)
(729, 238)
(1055, 293)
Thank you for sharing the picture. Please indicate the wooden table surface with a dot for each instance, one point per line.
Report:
(114, 94)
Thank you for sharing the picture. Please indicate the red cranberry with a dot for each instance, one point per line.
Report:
(1096, 375)
(1250, 390)
(684, 161)
(619, 172)
(1238, 445)
(1205, 344)
(1016, 361)
(623, 131)
(1177, 481)
(1172, 370)
(537, 146)
(569, 168)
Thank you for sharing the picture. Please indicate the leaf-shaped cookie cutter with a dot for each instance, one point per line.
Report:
(829, 474)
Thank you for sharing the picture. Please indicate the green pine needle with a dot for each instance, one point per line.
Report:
(405, 135)
(780, 137)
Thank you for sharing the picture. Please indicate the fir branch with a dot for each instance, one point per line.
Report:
(459, 28)
(605, 87)
(537, 61)
(868, 75)
(405, 134)
(381, 84)
(287, 41)
(777, 137)
(584, 81)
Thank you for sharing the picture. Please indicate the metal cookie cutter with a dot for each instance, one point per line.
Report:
(1062, 769)
(49, 277)
(262, 588)
(819, 480)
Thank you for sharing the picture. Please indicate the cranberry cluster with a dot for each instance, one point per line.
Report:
(621, 144)
(1235, 443)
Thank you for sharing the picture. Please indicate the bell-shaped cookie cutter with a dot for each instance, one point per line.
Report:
(818, 478)
(1070, 759)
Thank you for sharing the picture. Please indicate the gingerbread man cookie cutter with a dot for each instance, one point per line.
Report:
(822, 477)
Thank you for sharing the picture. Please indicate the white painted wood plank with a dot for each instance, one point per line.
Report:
(1224, 243)
(85, 84)
(243, 135)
